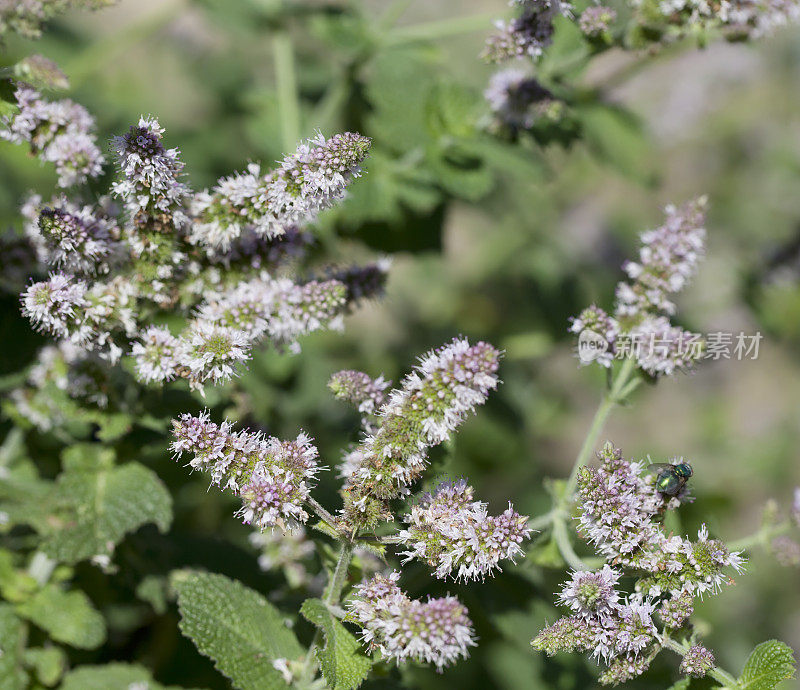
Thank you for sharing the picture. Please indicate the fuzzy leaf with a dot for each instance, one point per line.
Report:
(343, 665)
(111, 677)
(68, 617)
(98, 503)
(236, 627)
(49, 663)
(12, 640)
(770, 663)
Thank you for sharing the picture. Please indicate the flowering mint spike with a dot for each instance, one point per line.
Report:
(433, 400)
(596, 20)
(58, 132)
(359, 389)
(697, 661)
(518, 101)
(306, 182)
(668, 259)
(26, 17)
(675, 611)
(229, 324)
(454, 534)
(591, 594)
(526, 35)
(76, 239)
(280, 309)
(150, 185)
(214, 353)
(640, 328)
(158, 355)
(55, 305)
(67, 309)
(272, 477)
(364, 282)
(436, 631)
(663, 348)
(619, 508)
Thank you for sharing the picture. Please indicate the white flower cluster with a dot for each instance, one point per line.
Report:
(111, 268)
(58, 132)
(619, 511)
(432, 402)
(304, 183)
(750, 18)
(454, 534)
(526, 35)
(271, 476)
(436, 631)
(227, 326)
(640, 327)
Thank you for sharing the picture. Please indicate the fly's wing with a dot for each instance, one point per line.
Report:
(658, 466)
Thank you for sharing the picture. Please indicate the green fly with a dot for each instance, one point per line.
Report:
(671, 478)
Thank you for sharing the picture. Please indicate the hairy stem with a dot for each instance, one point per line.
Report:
(286, 83)
(321, 512)
(333, 592)
(718, 674)
(762, 537)
(561, 537)
(621, 386)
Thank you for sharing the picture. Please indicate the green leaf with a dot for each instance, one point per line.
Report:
(452, 110)
(153, 590)
(97, 504)
(343, 665)
(110, 677)
(682, 684)
(617, 139)
(399, 81)
(49, 663)
(68, 617)
(236, 627)
(770, 663)
(12, 641)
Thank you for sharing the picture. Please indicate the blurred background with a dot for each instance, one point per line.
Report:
(491, 240)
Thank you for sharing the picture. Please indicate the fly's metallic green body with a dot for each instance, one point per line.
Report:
(671, 478)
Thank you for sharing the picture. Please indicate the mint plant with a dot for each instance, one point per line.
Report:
(155, 295)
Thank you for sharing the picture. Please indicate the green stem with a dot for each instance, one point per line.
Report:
(621, 387)
(561, 536)
(321, 512)
(339, 577)
(442, 28)
(331, 598)
(718, 674)
(761, 538)
(286, 85)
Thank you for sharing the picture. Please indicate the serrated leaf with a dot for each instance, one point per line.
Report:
(770, 663)
(682, 684)
(111, 677)
(343, 664)
(68, 617)
(98, 503)
(12, 640)
(49, 663)
(236, 627)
